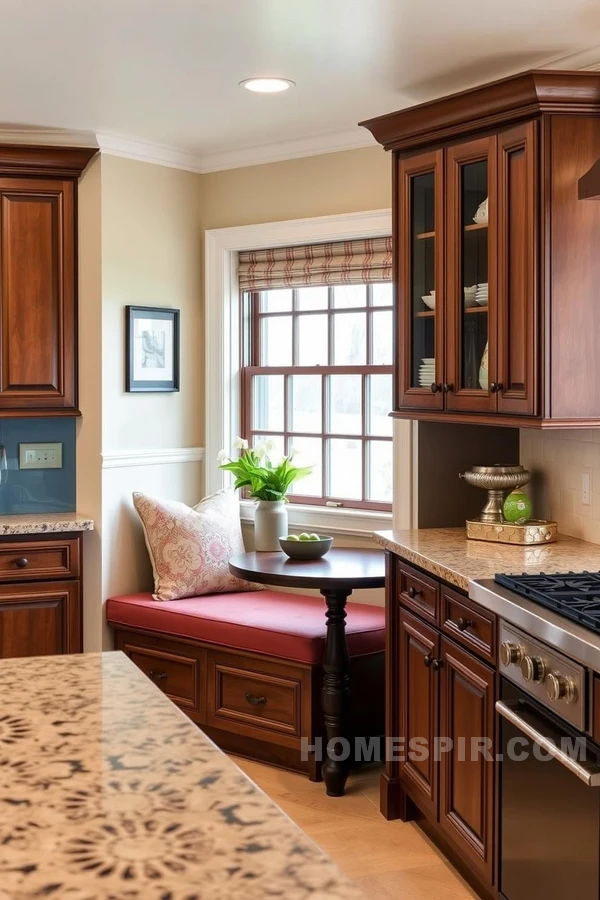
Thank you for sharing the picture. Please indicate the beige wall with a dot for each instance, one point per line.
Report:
(326, 185)
(557, 460)
(89, 427)
(151, 244)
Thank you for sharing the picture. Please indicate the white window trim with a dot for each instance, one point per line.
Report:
(222, 318)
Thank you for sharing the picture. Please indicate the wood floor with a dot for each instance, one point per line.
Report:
(386, 859)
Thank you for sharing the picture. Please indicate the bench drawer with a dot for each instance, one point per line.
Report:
(418, 592)
(258, 697)
(177, 675)
(469, 624)
(30, 560)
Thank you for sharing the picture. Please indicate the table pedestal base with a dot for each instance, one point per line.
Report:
(336, 692)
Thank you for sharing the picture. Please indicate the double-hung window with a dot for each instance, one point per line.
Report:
(317, 346)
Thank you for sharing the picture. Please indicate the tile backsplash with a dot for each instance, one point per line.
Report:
(557, 461)
(37, 490)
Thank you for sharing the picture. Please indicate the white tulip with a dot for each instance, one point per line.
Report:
(260, 451)
(269, 446)
(240, 444)
(222, 456)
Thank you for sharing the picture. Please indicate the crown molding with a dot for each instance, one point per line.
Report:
(580, 60)
(145, 151)
(260, 154)
(48, 137)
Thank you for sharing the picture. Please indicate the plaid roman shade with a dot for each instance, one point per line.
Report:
(344, 262)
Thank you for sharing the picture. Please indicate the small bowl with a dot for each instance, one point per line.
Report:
(307, 549)
(429, 301)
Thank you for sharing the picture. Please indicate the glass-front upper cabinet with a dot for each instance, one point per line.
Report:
(471, 276)
(419, 340)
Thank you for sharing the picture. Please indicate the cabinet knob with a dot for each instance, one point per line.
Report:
(413, 592)
(255, 701)
(158, 676)
(447, 388)
(436, 388)
(427, 660)
(437, 664)
(462, 624)
(22, 563)
(496, 387)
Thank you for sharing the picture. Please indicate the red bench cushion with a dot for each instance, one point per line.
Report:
(290, 626)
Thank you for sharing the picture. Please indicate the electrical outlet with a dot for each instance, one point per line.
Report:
(40, 456)
(585, 489)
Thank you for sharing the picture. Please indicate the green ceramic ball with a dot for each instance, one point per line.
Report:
(517, 508)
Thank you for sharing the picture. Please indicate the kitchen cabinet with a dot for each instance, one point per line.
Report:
(40, 596)
(38, 279)
(496, 280)
(440, 706)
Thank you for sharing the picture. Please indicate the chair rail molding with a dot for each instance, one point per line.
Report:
(222, 318)
(157, 457)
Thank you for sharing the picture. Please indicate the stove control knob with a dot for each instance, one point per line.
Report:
(561, 687)
(533, 668)
(510, 654)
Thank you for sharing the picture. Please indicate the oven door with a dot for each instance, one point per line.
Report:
(549, 806)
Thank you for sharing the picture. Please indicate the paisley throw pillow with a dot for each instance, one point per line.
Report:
(190, 547)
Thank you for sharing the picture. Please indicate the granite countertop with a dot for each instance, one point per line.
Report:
(447, 553)
(45, 523)
(108, 792)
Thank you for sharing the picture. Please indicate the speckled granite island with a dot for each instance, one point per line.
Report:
(447, 554)
(108, 792)
(45, 523)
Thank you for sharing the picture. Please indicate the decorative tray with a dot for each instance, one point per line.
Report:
(536, 531)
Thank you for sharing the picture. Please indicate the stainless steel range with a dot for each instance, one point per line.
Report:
(549, 791)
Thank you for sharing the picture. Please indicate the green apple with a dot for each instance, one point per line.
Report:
(517, 508)
(314, 537)
(304, 536)
(292, 537)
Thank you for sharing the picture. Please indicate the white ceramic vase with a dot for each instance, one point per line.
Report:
(483, 370)
(270, 523)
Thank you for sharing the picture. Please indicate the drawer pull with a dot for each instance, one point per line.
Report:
(158, 676)
(462, 624)
(21, 563)
(437, 664)
(427, 660)
(255, 701)
(413, 592)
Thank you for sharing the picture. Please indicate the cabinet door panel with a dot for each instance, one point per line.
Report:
(467, 770)
(419, 718)
(420, 270)
(37, 294)
(517, 267)
(40, 619)
(471, 276)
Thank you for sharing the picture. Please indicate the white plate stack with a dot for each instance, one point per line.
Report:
(481, 295)
(426, 373)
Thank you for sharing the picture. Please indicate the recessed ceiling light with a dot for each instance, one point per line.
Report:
(267, 85)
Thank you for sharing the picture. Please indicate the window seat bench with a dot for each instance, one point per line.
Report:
(246, 667)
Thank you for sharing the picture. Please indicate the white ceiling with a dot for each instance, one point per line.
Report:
(167, 71)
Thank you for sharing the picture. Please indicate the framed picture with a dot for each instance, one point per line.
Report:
(152, 349)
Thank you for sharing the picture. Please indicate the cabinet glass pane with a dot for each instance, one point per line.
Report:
(422, 280)
(474, 272)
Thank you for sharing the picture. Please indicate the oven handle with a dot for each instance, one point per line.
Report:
(589, 775)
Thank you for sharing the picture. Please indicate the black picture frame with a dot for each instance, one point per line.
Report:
(164, 348)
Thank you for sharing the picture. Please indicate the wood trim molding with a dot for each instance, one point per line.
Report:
(60, 161)
(161, 457)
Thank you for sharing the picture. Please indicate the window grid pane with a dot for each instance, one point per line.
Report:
(354, 435)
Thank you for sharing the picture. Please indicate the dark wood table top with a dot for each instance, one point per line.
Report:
(340, 568)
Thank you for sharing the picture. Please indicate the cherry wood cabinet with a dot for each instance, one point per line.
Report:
(40, 596)
(419, 713)
(38, 279)
(509, 337)
(440, 718)
(467, 769)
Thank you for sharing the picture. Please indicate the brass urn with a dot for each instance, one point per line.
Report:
(498, 480)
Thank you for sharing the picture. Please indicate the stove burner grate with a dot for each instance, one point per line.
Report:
(575, 596)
